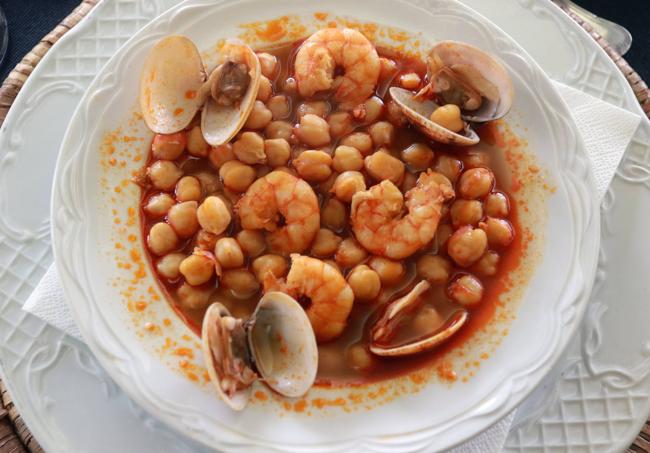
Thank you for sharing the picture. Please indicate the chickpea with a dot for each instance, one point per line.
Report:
(381, 165)
(279, 129)
(290, 85)
(169, 146)
(347, 184)
(213, 215)
(382, 133)
(205, 240)
(499, 232)
(474, 158)
(487, 264)
(347, 158)
(387, 68)
(219, 155)
(277, 151)
(197, 269)
(427, 320)
(252, 242)
(265, 90)
(241, 283)
(188, 188)
(496, 204)
(259, 117)
(374, 108)
(158, 205)
(229, 199)
(196, 144)
(466, 290)
(192, 298)
(395, 115)
(358, 357)
(449, 166)
(443, 233)
(390, 272)
(475, 183)
(313, 165)
(467, 245)
(182, 218)
(333, 215)
(370, 111)
(350, 253)
(448, 116)
(359, 140)
(229, 253)
(209, 182)
(279, 106)
(318, 108)
(340, 124)
(433, 268)
(418, 156)
(410, 81)
(313, 130)
(275, 264)
(365, 283)
(250, 148)
(237, 176)
(168, 265)
(164, 174)
(268, 64)
(162, 239)
(466, 212)
(410, 181)
(325, 243)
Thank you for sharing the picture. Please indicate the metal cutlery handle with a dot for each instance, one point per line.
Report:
(616, 35)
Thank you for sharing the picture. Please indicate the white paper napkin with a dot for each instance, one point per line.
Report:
(606, 131)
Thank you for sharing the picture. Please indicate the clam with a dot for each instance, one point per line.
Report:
(221, 119)
(173, 88)
(276, 345)
(418, 111)
(383, 337)
(170, 85)
(463, 75)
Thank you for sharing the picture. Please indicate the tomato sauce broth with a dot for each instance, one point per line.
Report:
(334, 366)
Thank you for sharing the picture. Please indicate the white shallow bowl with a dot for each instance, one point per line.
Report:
(437, 417)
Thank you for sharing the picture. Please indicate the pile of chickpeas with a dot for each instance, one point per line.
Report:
(193, 233)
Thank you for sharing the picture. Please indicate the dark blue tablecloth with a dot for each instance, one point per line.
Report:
(29, 20)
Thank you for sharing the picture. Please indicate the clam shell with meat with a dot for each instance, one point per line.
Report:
(174, 87)
(385, 328)
(463, 75)
(276, 346)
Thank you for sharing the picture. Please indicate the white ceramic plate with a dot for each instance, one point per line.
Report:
(84, 235)
(596, 399)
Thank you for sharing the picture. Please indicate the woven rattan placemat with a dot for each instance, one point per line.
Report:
(15, 437)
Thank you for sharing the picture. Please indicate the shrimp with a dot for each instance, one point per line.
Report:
(327, 49)
(328, 296)
(377, 220)
(281, 195)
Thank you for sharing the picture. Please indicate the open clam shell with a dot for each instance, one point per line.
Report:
(220, 123)
(283, 344)
(419, 112)
(276, 345)
(170, 85)
(480, 70)
(390, 319)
